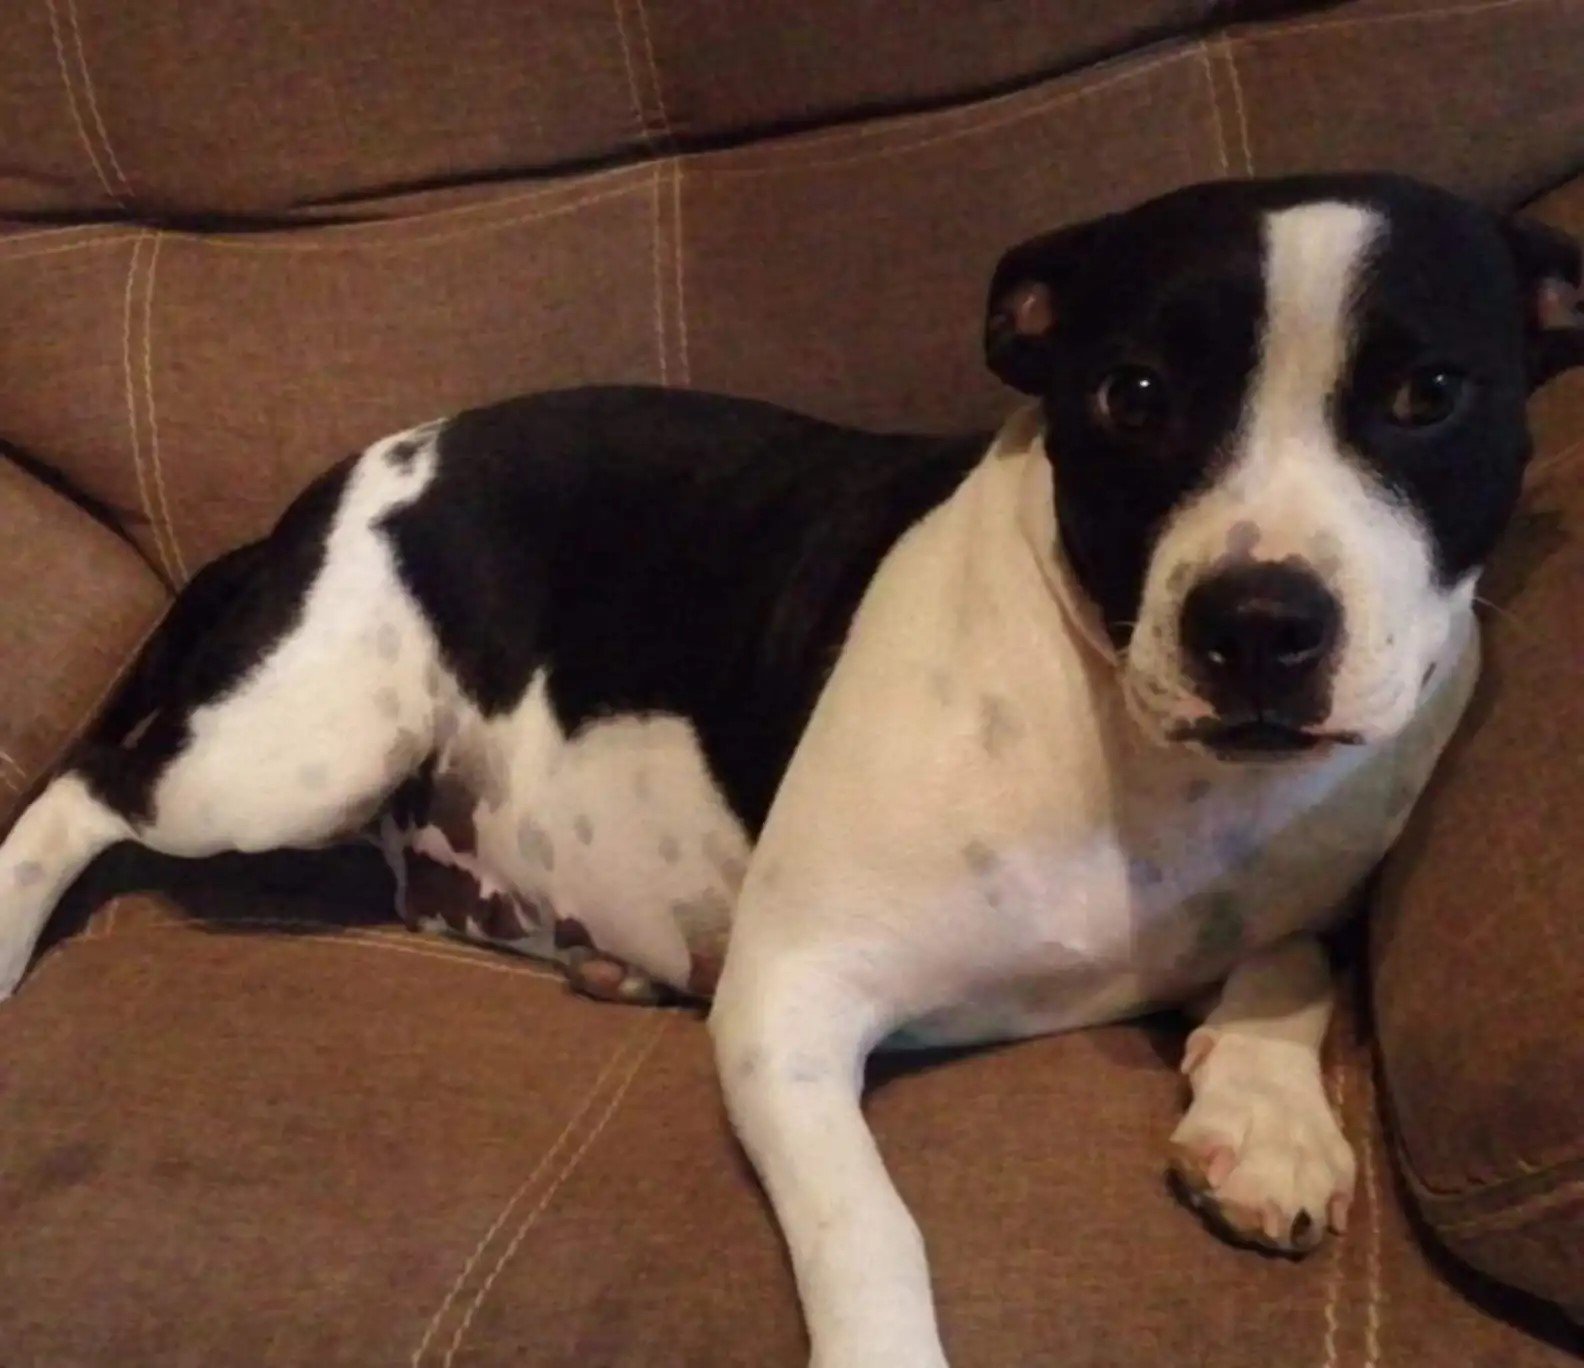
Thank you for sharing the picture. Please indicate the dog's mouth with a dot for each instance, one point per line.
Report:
(1259, 739)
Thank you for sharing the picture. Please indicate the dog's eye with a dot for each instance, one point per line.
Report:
(1132, 400)
(1429, 395)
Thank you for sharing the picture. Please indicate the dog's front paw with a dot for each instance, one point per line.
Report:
(1259, 1152)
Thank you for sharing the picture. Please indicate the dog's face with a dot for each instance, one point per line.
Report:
(1287, 425)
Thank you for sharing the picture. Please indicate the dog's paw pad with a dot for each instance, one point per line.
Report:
(1259, 1152)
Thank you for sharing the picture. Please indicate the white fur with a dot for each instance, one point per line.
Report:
(966, 890)
(973, 839)
(1290, 480)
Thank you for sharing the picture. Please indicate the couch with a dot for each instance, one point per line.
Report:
(245, 1119)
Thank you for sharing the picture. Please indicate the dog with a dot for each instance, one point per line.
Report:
(904, 740)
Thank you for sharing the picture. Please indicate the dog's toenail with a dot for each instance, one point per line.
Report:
(1302, 1227)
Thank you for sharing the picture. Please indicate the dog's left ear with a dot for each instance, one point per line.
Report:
(1550, 271)
(1023, 318)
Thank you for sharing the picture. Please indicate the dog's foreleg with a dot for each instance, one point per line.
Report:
(791, 1036)
(1259, 1149)
(50, 845)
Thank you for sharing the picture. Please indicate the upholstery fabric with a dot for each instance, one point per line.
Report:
(238, 241)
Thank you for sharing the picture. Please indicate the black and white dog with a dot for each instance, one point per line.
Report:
(907, 739)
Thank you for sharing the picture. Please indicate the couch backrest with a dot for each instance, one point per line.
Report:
(280, 231)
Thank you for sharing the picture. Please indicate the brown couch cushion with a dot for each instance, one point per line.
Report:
(187, 106)
(192, 382)
(1479, 945)
(77, 602)
(366, 1147)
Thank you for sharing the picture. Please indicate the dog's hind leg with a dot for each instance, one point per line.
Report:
(305, 695)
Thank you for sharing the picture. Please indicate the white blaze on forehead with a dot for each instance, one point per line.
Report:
(1315, 255)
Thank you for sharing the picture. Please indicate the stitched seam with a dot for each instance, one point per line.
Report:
(109, 241)
(617, 1056)
(242, 245)
(1215, 109)
(640, 122)
(676, 253)
(1247, 145)
(1373, 20)
(92, 710)
(1028, 111)
(659, 275)
(15, 785)
(11, 764)
(153, 426)
(93, 103)
(654, 75)
(33, 234)
(131, 400)
(1333, 1285)
(350, 936)
(1374, 1298)
(71, 102)
(539, 1207)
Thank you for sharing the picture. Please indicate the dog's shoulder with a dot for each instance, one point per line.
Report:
(662, 551)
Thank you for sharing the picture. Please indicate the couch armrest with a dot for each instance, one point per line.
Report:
(76, 604)
(1478, 938)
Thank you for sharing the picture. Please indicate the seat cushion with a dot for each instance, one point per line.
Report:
(77, 602)
(273, 1136)
(1479, 947)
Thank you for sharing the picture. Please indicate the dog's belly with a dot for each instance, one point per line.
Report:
(608, 850)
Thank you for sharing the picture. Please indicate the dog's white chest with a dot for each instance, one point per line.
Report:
(972, 776)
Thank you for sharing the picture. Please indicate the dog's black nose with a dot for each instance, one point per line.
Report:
(1258, 637)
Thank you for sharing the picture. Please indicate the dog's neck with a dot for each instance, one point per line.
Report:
(1022, 439)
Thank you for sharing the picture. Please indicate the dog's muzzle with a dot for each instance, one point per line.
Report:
(1260, 642)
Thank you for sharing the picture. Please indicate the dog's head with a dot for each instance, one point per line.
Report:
(1287, 425)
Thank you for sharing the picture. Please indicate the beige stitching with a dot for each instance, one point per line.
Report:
(1372, 1319)
(1028, 111)
(1237, 104)
(484, 1241)
(1215, 109)
(75, 732)
(566, 1172)
(245, 245)
(654, 74)
(131, 399)
(15, 785)
(1443, 12)
(57, 232)
(659, 292)
(153, 426)
(7, 761)
(1333, 1290)
(676, 252)
(108, 241)
(71, 101)
(93, 104)
(375, 940)
(632, 77)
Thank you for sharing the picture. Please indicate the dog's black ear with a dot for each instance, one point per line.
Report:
(1550, 271)
(1024, 316)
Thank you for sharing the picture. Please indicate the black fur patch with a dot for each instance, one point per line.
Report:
(662, 552)
(221, 627)
(1177, 285)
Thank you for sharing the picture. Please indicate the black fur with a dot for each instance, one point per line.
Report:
(1177, 284)
(662, 552)
(221, 626)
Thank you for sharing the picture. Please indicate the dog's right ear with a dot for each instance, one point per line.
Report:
(1024, 317)
(1551, 271)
